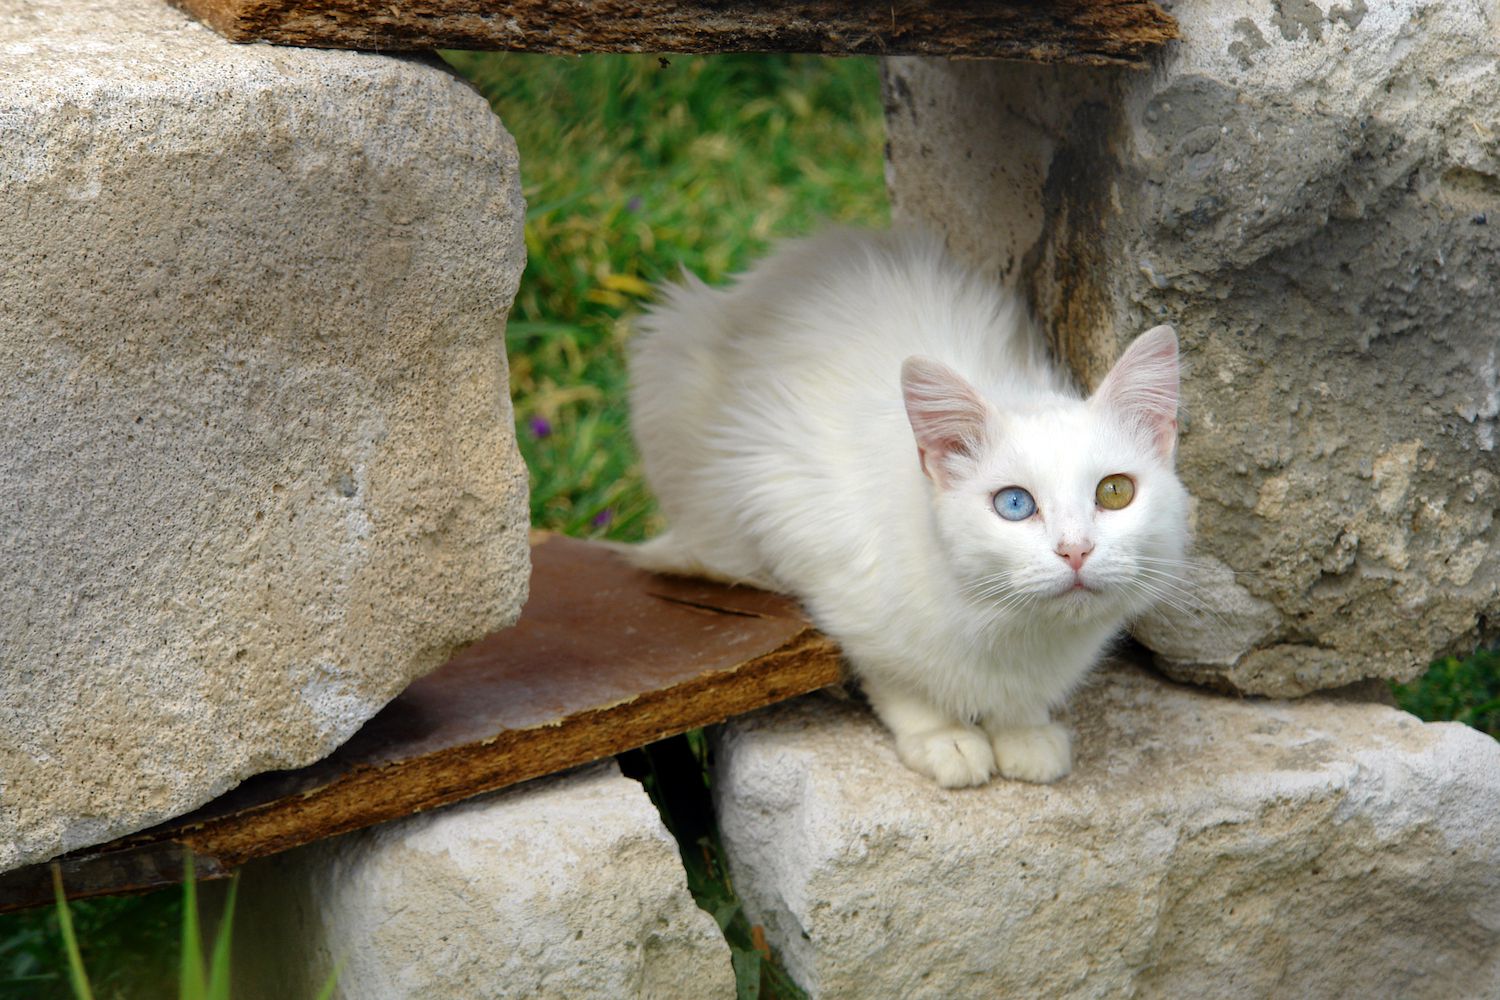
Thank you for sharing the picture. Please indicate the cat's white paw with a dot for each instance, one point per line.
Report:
(1033, 753)
(954, 756)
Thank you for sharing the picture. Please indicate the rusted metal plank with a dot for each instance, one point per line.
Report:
(605, 658)
(1095, 32)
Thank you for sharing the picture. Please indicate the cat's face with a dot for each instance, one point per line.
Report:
(1065, 512)
(1063, 508)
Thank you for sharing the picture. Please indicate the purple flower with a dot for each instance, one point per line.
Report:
(540, 427)
(602, 519)
(633, 205)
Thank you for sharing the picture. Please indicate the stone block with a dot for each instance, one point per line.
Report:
(1311, 197)
(258, 468)
(1202, 846)
(567, 888)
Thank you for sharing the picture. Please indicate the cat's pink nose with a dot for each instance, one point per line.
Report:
(1075, 553)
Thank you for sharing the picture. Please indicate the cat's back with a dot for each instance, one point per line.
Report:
(852, 303)
(769, 413)
(833, 316)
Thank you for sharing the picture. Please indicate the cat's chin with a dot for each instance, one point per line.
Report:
(1080, 601)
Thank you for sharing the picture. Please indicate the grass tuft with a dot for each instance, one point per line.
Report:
(194, 980)
(193, 983)
(1457, 690)
(634, 167)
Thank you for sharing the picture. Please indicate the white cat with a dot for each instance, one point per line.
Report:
(862, 423)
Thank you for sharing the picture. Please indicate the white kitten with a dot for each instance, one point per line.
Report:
(863, 424)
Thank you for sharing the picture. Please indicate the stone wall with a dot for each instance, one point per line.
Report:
(258, 467)
(1311, 195)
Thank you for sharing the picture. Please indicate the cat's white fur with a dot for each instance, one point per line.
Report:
(835, 425)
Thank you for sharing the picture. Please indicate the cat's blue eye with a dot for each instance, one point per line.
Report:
(1014, 504)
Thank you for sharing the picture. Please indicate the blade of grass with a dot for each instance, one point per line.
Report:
(218, 970)
(326, 993)
(190, 984)
(76, 973)
(747, 975)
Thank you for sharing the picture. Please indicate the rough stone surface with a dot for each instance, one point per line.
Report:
(258, 467)
(566, 888)
(1310, 193)
(1202, 847)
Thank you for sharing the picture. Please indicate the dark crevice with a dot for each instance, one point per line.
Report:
(677, 774)
(702, 606)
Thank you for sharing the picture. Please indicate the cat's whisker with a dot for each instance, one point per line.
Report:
(993, 590)
(1185, 605)
(1181, 598)
(1162, 574)
(1002, 579)
(1195, 564)
(1162, 598)
(1174, 627)
(1182, 592)
(1014, 601)
(1013, 605)
(1163, 583)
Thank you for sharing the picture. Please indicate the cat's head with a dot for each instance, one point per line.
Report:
(1056, 506)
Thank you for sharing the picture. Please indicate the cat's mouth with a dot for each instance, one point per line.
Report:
(1077, 590)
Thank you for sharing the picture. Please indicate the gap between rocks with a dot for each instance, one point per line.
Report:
(677, 774)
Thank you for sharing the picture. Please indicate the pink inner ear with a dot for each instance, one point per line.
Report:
(1143, 386)
(947, 415)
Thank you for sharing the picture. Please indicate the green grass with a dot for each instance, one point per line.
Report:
(634, 167)
(128, 943)
(199, 976)
(1457, 690)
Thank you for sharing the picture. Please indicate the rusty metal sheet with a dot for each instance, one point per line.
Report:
(605, 658)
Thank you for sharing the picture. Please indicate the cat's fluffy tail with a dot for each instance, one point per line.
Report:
(665, 554)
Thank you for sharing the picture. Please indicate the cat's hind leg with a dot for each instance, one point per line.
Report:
(950, 752)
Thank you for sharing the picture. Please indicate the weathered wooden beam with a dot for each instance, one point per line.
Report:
(1095, 32)
(605, 658)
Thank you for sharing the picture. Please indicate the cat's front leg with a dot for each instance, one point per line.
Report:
(950, 752)
(1029, 746)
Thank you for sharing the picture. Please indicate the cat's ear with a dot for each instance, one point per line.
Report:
(1143, 387)
(947, 415)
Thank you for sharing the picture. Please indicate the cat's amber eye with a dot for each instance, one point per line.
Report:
(1114, 492)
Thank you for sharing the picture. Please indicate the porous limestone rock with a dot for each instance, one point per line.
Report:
(258, 467)
(1310, 193)
(1202, 847)
(567, 888)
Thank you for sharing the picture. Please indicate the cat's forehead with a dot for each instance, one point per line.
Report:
(1058, 444)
